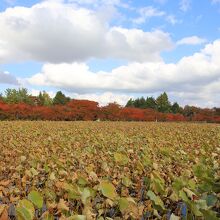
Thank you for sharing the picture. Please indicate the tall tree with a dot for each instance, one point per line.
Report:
(130, 103)
(190, 111)
(60, 99)
(137, 103)
(142, 102)
(45, 99)
(217, 111)
(163, 104)
(151, 103)
(175, 108)
(13, 96)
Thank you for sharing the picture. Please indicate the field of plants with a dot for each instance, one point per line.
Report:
(109, 170)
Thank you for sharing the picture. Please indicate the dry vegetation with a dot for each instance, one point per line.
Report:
(109, 170)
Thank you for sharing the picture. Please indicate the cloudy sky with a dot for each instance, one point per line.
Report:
(111, 50)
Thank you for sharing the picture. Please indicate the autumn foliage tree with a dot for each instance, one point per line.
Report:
(18, 105)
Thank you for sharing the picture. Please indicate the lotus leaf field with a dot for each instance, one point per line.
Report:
(109, 170)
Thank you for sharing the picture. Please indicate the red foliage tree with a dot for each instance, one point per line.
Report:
(111, 112)
(83, 110)
(90, 110)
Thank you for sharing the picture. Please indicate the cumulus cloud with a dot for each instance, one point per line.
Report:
(57, 32)
(198, 73)
(193, 40)
(104, 98)
(7, 78)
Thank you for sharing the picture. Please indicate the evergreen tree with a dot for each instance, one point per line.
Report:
(137, 103)
(60, 99)
(130, 103)
(151, 103)
(163, 104)
(41, 98)
(142, 102)
(175, 108)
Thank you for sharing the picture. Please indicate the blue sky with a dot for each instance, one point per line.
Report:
(112, 50)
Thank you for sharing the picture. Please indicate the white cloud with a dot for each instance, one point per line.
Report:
(146, 13)
(35, 92)
(104, 98)
(172, 19)
(193, 40)
(196, 74)
(7, 78)
(56, 32)
(185, 5)
(137, 45)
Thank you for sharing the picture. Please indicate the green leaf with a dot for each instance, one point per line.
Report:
(36, 198)
(77, 217)
(123, 204)
(47, 216)
(25, 210)
(108, 189)
(157, 186)
(211, 200)
(183, 196)
(178, 184)
(82, 181)
(157, 183)
(192, 184)
(208, 214)
(126, 181)
(85, 195)
(201, 204)
(174, 217)
(156, 199)
(174, 197)
(189, 193)
(34, 172)
(146, 160)
(49, 194)
(195, 209)
(73, 191)
(120, 158)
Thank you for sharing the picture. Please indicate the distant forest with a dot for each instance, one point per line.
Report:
(19, 105)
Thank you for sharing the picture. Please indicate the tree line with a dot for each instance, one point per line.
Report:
(19, 105)
(13, 96)
(161, 104)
